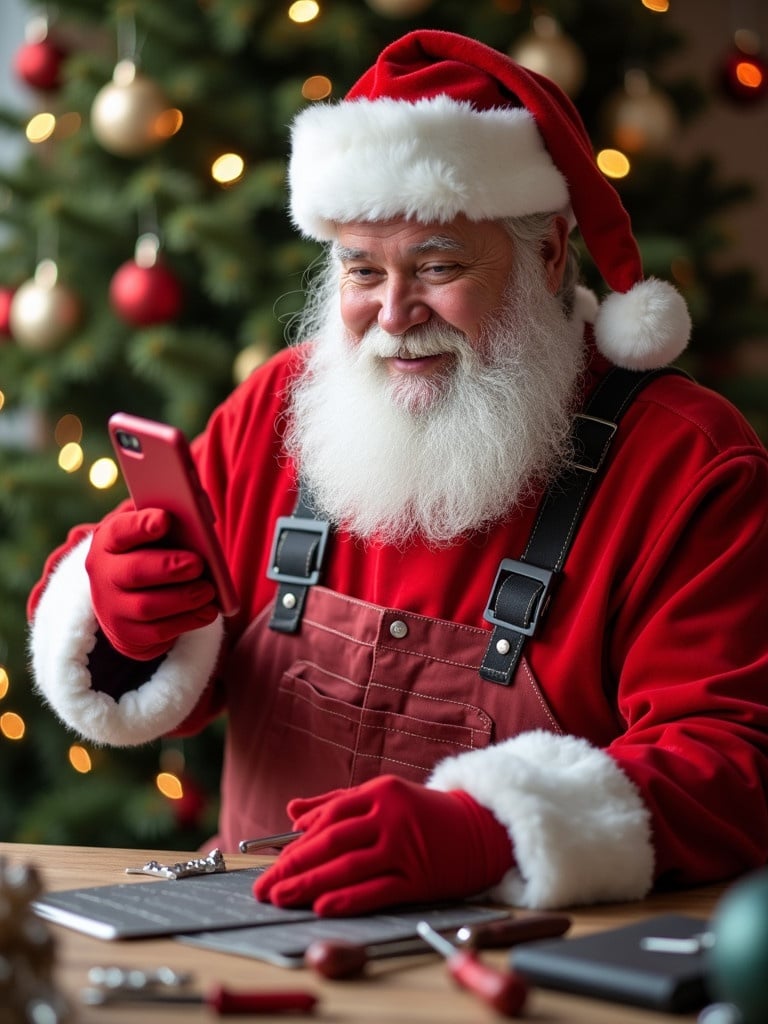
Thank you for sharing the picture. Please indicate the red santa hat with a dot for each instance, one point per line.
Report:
(443, 125)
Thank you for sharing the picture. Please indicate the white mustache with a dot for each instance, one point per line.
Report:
(417, 344)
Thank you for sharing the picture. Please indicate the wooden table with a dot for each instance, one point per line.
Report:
(415, 990)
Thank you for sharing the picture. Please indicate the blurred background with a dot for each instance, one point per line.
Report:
(147, 264)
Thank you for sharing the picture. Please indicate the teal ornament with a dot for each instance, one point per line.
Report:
(738, 958)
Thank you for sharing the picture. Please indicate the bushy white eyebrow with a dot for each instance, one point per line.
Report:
(435, 243)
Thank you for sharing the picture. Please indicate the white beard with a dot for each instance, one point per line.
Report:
(439, 457)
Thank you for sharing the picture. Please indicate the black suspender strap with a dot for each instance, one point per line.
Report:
(522, 589)
(298, 549)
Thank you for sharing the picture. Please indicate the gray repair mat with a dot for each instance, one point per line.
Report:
(218, 911)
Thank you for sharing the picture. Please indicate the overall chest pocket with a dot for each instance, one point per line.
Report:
(343, 732)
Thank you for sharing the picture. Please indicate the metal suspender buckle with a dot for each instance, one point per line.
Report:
(519, 596)
(298, 549)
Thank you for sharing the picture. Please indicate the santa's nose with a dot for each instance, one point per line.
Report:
(401, 306)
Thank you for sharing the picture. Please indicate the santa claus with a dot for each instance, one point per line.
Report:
(511, 639)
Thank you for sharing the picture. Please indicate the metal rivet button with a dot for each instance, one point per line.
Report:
(503, 646)
(289, 600)
(398, 629)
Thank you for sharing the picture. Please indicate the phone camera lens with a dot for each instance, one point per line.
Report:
(129, 441)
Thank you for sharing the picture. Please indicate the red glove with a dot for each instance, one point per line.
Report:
(145, 595)
(386, 842)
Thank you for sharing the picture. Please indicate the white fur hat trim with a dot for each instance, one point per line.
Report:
(430, 160)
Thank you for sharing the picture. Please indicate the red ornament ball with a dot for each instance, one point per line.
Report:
(6, 297)
(744, 77)
(39, 64)
(145, 295)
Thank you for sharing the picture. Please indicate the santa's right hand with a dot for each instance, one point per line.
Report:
(145, 594)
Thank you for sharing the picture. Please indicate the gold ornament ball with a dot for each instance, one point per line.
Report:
(127, 115)
(43, 312)
(640, 118)
(549, 52)
(399, 8)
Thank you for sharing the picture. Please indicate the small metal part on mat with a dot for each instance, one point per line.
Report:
(211, 864)
(134, 978)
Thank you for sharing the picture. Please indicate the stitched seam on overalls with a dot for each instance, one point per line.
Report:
(540, 698)
(358, 720)
(432, 697)
(323, 671)
(341, 746)
(397, 649)
(338, 632)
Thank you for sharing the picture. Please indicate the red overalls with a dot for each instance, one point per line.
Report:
(358, 692)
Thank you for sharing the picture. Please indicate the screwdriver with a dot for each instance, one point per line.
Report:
(221, 1000)
(265, 842)
(505, 991)
(338, 959)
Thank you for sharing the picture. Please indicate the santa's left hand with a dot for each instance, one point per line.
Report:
(386, 842)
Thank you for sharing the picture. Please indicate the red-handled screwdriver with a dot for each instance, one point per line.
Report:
(222, 1001)
(505, 991)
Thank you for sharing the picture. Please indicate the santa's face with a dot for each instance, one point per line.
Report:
(439, 388)
(412, 280)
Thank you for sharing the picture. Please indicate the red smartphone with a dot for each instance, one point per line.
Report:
(159, 472)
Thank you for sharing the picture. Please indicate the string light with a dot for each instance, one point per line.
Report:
(5, 682)
(749, 74)
(45, 125)
(657, 6)
(303, 11)
(167, 123)
(2, 399)
(40, 127)
(103, 474)
(80, 759)
(71, 457)
(68, 429)
(169, 785)
(317, 87)
(613, 163)
(227, 168)
(68, 124)
(12, 725)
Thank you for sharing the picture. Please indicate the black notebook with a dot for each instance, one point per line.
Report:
(616, 965)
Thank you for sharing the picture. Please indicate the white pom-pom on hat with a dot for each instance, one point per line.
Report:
(645, 327)
(442, 125)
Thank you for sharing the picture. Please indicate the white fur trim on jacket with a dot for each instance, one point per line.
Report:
(430, 160)
(580, 830)
(62, 636)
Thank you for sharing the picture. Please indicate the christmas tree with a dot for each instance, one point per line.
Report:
(147, 264)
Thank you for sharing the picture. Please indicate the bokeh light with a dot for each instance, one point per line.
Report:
(317, 87)
(303, 11)
(80, 759)
(12, 726)
(103, 474)
(71, 457)
(169, 785)
(613, 163)
(227, 168)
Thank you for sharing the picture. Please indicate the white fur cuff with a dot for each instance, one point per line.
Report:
(64, 633)
(580, 829)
